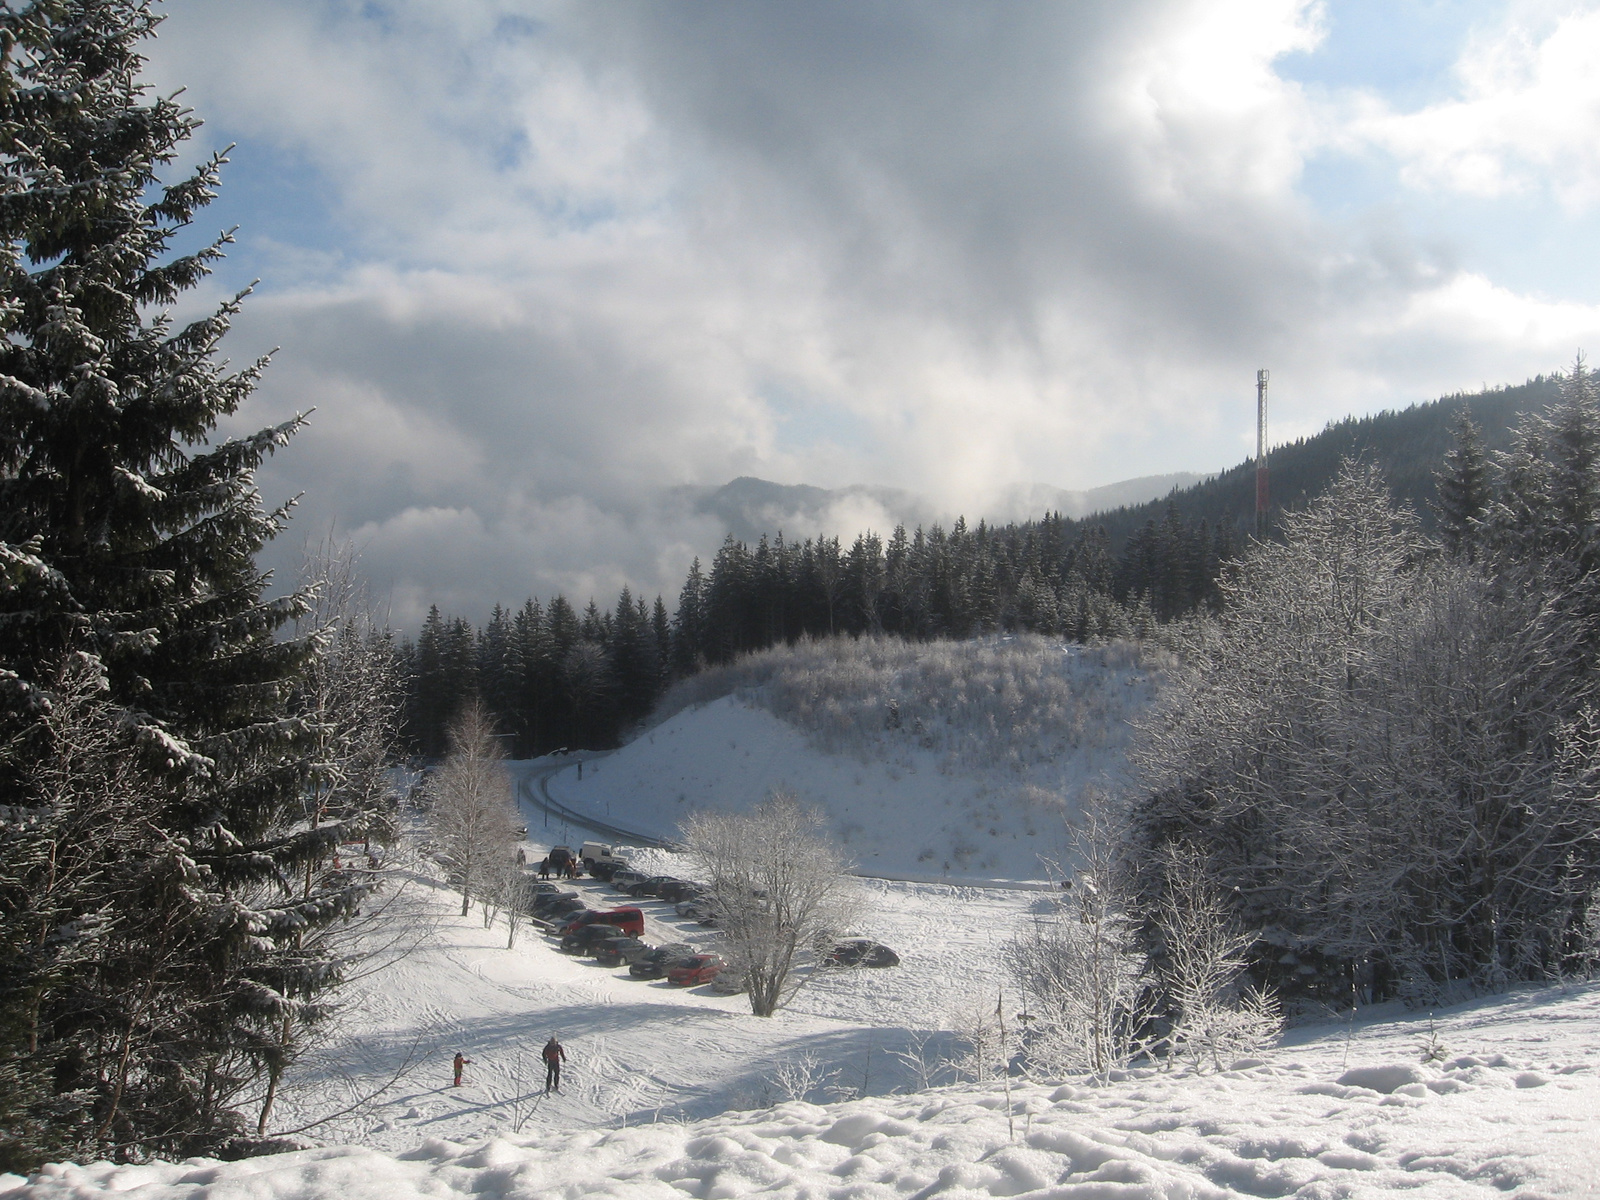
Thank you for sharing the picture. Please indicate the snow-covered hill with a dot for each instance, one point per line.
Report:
(674, 1093)
(941, 761)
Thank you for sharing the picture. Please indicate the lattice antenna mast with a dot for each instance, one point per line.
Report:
(1261, 451)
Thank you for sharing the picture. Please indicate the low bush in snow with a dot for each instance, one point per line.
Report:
(1010, 704)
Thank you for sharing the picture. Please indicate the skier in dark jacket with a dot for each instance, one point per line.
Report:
(554, 1054)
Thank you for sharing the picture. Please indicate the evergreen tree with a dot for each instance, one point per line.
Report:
(661, 637)
(1463, 487)
(141, 991)
(688, 624)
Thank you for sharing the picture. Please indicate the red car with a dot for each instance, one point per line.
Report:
(629, 920)
(702, 968)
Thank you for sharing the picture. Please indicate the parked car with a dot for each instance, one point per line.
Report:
(536, 888)
(679, 889)
(559, 910)
(584, 938)
(656, 963)
(560, 859)
(697, 906)
(860, 952)
(546, 900)
(728, 982)
(628, 920)
(650, 886)
(601, 860)
(622, 880)
(691, 972)
(705, 910)
(619, 951)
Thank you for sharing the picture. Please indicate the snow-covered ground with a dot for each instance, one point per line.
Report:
(672, 1092)
(639, 1051)
(1510, 1106)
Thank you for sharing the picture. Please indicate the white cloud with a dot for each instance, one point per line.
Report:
(1525, 119)
(584, 253)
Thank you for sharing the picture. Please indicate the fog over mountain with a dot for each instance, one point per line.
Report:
(749, 507)
(649, 546)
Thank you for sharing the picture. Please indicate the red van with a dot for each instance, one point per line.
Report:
(628, 919)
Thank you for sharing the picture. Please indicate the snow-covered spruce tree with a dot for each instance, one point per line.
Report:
(1464, 489)
(144, 968)
(781, 888)
(1541, 530)
(1373, 753)
(471, 813)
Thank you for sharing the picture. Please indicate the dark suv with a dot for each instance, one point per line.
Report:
(656, 964)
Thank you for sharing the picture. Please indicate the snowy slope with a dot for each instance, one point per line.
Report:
(943, 761)
(1511, 1108)
(1512, 1112)
(639, 1051)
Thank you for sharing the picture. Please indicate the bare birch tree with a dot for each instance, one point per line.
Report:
(473, 816)
(1081, 964)
(782, 889)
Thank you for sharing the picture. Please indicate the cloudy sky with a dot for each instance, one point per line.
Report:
(535, 264)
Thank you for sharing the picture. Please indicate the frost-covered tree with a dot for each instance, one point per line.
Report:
(152, 960)
(471, 812)
(1212, 1015)
(1378, 756)
(1464, 489)
(781, 888)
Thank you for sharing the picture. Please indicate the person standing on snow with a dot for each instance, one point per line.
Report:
(554, 1054)
(460, 1062)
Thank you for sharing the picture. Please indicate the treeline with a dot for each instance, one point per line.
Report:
(1406, 446)
(555, 678)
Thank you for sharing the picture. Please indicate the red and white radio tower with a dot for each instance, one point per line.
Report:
(1261, 451)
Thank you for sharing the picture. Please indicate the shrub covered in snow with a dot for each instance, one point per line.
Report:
(1009, 704)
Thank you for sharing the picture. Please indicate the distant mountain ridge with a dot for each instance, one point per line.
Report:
(1409, 445)
(749, 507)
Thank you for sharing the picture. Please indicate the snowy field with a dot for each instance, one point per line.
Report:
(1510, 1108)
(639, 1051)
(672, 1092)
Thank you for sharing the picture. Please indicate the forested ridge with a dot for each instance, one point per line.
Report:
(555, 677)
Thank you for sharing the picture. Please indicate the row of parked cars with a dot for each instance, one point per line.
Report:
(614, 938)
(696, 902)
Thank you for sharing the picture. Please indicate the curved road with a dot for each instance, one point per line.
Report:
(534, 787)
